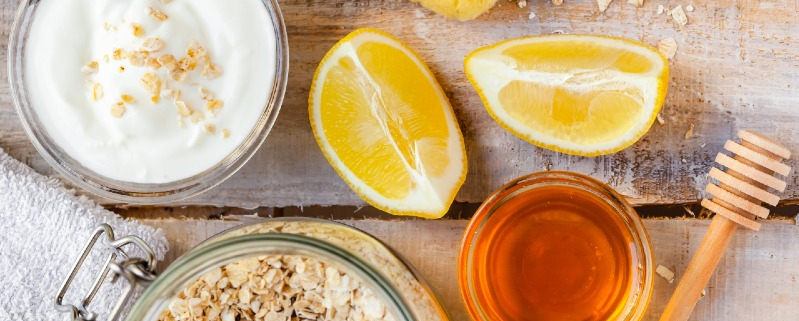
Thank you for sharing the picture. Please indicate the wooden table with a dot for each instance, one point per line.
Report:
(737, 66)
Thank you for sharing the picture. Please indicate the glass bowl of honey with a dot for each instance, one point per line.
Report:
(556, 246)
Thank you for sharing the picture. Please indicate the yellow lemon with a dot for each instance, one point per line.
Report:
(575, 94)
(386, 126)
(461, 10)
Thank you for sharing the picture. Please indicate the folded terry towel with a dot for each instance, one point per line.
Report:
(43, 228)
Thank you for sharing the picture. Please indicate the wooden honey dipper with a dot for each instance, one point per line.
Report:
(737, 200)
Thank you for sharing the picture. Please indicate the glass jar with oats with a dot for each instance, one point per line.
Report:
(289, 269)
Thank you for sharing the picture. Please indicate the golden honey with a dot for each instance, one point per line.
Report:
(555, 248)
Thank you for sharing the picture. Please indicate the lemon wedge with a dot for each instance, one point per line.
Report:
(461, 10)
(386, 126)
(575, 94)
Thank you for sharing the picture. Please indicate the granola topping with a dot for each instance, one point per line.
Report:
(157, 14)
(197, 62)
(153, 44)
(137, 30)
(97, 92)
(90, 67)
(118, 109)
(128, 99)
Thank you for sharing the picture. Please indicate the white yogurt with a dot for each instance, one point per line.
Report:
(147, 144)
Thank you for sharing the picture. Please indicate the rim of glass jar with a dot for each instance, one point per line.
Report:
(634, 309)
(140, 193)
(203, 259)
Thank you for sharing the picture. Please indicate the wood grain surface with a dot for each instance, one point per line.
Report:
(757, 278)
(735, 68)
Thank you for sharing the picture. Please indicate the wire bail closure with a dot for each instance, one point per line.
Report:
(136, 271)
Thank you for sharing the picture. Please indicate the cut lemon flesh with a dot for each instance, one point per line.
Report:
(386, 126)
(575, 94)
(462, 10)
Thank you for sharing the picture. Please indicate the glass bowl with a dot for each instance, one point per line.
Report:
(528, 206)
(392, 279)
(128, 192)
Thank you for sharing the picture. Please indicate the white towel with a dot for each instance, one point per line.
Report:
(43, 228)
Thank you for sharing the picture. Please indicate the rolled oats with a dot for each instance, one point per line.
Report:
(119, 54)
(168, 61)
(153, 44)
(636, 3)
(679, 16)
(211, 71)
(137, 30)
(276, 287)
(97, 92)
(153, 63)
(90, 68)
(603, 4)
(196, 117)
(187, 64)
(152, 83)
(128, 99)
(297, 287)
(157, 14)
(668, 47)
(138, 58)
(206, 94)
(183, 109)
(214, 106)
(421, 302)
(118, 110)
(665, 273)
(196, 52)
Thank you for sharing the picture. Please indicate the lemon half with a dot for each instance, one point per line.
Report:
(576, 94)
(386, 126)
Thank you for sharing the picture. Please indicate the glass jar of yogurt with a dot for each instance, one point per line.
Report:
(278, 269)
(148, 101)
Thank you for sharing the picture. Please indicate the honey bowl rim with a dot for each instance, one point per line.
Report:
(634, 308)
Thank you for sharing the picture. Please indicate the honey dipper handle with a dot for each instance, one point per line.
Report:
(693, 281)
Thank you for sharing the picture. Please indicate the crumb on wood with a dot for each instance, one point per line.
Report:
(636, 3)
(557, 2)
(661, 122)
(531, 16)
(679, 16)
(603, 4)
(665, 273)
(689, 8)
(521, 3)
(668, 47)
(660, 9)
(690, 132)
(688, 209)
